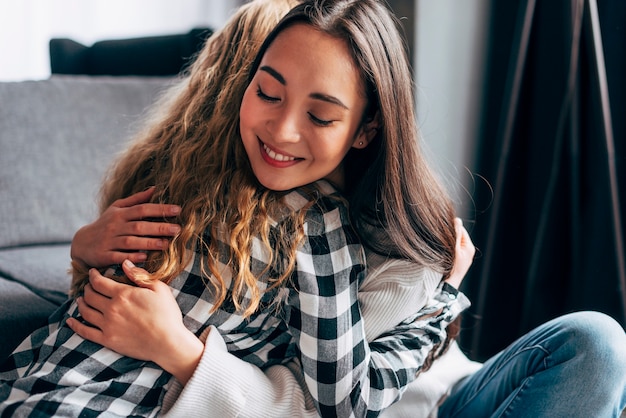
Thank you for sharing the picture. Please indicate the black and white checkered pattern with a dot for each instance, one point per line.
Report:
(318, 321)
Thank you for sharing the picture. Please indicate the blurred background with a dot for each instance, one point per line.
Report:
(521, 106)
(27, 26)
(450, 35)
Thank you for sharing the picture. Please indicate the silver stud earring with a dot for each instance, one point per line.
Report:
(360, 142)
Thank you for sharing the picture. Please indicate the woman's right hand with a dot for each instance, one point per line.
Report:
(124, 232)
(143, 321)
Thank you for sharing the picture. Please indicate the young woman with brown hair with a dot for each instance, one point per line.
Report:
(571, 366)
(265, 246)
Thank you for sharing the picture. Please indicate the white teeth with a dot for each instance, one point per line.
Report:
(278, 157)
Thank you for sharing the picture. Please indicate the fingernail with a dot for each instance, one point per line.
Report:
(129, 263)
(175, 210)
(175, 229)
(142, 256)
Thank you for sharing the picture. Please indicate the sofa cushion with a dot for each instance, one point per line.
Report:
(149, 55)
(57, 138)
(42, 269)
(21, 312)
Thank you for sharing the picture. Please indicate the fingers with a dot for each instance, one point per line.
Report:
(459, 229)
(151, 210)
(118, 257)
(130, 247)
(463, 239)
(90, 314)
(138, 275)
(126, 230)
(101, 285)
(135, 199)
(138, 207)
(137, 241)
(139, 236)
(151, 229)
(464, 254)
(85, 331)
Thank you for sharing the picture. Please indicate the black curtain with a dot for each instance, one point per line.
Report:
(549, 224)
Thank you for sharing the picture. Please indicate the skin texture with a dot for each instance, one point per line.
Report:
(140, 322)
(123, 232)
(463, 256)
(303, 110)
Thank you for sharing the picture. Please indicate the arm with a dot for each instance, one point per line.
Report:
(278, 388)
(142, 322)
(344, 374)
(159, 335)
(224, 384)
(122, 232)
(395, 289)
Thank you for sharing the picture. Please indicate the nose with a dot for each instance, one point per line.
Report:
(283, 125)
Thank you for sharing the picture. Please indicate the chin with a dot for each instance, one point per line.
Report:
(277, 186)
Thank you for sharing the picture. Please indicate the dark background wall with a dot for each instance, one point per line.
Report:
(552, 144)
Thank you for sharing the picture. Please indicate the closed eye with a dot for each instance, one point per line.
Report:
(265, 97)
(318, 121)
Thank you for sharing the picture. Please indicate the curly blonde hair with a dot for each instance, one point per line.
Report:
(192, 153)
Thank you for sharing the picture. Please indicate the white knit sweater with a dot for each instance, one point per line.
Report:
(225, 386)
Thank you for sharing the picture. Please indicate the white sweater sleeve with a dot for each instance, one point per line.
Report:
(393, 290)
(225, 386)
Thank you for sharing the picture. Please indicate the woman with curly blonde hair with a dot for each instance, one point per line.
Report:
(267, 262)
(266, 242)
(561, 368)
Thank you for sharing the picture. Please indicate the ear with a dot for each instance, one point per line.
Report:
(367, 133)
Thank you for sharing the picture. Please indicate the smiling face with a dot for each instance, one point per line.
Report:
(303, 109)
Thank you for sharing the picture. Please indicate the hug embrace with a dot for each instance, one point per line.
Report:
(273, 243)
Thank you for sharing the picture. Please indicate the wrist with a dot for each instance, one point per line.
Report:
(182, 357)
(454, 280)
(74, 248)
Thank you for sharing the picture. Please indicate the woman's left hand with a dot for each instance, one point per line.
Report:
(464, 254)
(142, 322)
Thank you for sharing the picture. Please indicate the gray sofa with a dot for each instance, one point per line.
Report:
(57, 137)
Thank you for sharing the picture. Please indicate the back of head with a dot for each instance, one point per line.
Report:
(187, 146)
(204, 104)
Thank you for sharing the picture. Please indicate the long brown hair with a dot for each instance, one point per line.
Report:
(398, 206)
(392, 190)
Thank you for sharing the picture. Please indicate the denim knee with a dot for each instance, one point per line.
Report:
(600, 339)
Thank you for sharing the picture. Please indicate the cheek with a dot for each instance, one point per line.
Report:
(335, 147)
(246, 111)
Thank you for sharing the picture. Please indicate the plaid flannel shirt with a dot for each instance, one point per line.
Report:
(314, 318)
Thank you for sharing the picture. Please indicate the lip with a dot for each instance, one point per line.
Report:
(277, 162)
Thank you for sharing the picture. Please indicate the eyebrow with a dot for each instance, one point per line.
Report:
(318, 96)
(329, 99)
(278, 76)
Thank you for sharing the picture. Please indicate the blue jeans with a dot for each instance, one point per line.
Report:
(572, 366)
